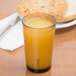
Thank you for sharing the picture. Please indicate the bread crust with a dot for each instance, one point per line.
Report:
(21, 13)
(68, 18)
(57, 8)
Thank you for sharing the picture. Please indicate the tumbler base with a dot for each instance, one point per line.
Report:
(38, 71)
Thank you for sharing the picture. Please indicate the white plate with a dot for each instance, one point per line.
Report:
(65, 25)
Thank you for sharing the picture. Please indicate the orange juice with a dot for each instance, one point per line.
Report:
(38, 38)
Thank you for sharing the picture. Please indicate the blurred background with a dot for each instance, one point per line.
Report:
(4, 7)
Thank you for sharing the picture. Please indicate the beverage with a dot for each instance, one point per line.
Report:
(38, 23)
(38, 38)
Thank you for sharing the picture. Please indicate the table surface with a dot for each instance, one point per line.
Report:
(64, 53)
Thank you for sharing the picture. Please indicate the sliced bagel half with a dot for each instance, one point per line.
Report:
(71, 11)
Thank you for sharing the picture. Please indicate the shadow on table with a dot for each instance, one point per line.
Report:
(48, 73)
(16, 51)
(65, 36)
(64, 30)
(55, 71)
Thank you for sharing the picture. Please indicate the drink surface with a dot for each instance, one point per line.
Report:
(38, 23)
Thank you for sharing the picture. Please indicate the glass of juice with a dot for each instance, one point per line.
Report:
(39, 32)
